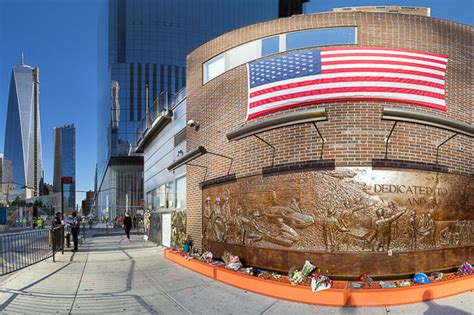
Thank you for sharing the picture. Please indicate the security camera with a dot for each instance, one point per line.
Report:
(193, 124)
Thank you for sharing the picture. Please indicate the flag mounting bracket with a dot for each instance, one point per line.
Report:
(226, 157)
(201, 166)
(270, 145)
(387, 139)
(441, 144)
(323, 141)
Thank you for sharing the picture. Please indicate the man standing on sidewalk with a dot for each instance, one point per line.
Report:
(75, 227)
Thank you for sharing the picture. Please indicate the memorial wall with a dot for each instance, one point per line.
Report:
(359, 190)
(418, 215)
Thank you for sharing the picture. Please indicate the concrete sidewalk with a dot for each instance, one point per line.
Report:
(108, 276)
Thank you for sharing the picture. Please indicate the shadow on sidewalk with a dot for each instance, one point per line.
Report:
(435, 308)
(15, 295)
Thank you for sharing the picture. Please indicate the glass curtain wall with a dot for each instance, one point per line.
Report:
(147, 46)
(122, 189)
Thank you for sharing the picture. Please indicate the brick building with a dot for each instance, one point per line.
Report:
(354, 166)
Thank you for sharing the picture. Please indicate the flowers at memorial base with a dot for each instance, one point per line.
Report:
(388, 284)
(298, 276)
(367, 279)
(320, 282)
(403, 283)
(465, 269)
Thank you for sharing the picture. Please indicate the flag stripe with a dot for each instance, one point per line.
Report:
(380, 70)
(383, 60)
(347, 76)
(338, 74)
(343, 99)
(355, 81)
(359, 90)
(345, 50)
(376, 65)
(359, 55)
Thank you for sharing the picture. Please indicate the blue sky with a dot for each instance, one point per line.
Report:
(61, 38)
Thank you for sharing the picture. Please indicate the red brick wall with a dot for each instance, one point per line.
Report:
(354, 132)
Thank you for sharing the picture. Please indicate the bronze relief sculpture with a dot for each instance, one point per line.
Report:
(348, 210)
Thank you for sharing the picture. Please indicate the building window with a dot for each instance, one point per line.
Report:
(170, 198)
(276, 44)
(242, 54)
(180, 136)
(214, 67)
(321, 37)
(181, 192)
(150, 196)
(161, 191)
(270, 45)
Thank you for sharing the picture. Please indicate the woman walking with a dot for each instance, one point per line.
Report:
(127, 224)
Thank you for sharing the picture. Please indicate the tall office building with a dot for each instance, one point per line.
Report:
(147, 46)
(65, 163)
(1, 169)
(1, 179)
(23, 131)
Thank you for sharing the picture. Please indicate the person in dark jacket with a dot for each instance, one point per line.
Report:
(57, 220)
(127, 224)
(75, 226)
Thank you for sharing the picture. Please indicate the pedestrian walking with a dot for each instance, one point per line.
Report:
(127, 224)
(75, 228)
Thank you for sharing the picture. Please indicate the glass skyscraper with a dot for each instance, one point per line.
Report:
(147, 46)
(1, 179)
(23, 131)
(65, 163)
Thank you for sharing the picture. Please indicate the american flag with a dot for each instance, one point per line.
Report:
(342, 74)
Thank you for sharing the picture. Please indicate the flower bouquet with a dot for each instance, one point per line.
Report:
(298, 276)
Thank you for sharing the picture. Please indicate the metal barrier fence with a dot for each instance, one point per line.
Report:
(21, 250)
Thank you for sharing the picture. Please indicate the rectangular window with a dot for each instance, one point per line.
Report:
(162, 78)
(154, 83)
(320, 37)
(149, 200)
(170, 197)
(242, 54)
(270, 45)
(147, 73)
(284, 42)
(181, 193)
(162, 196)
(214, 67)
(179, 137)
(139, 93)
(121, 32)
(168, 87)
(183, 75)
(176, 79)
(132, 92)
